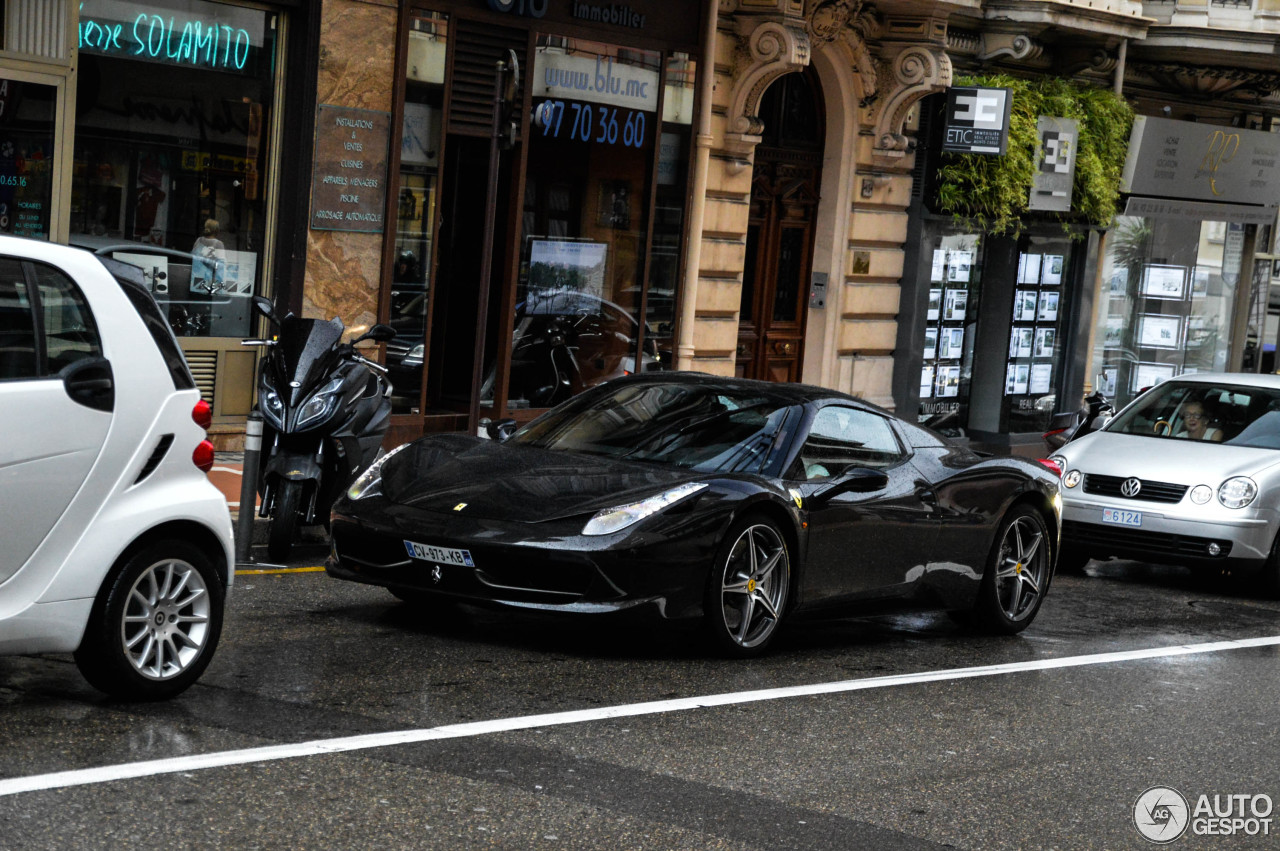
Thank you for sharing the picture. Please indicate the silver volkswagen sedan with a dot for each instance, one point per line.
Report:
(1188, 473)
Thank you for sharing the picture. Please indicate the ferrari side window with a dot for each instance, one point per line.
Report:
(841, 438)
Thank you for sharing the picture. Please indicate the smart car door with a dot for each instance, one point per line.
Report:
(863, 540)
(55, 403)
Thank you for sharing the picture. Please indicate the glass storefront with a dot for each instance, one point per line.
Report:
(26, 157)
(1037, 340)
(955, 290)
(1168, 297)
(415, 222)
(596, 292)
(174, 102)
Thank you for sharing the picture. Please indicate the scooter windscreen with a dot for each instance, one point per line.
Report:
(304, 350)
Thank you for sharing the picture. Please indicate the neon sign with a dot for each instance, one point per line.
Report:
(168, 38)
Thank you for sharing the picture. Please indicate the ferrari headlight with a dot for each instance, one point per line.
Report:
(369, 483)
(1200, 494)
(321, 404)
(616, 519)
(1237, 492)
(272, 407)
(1071, 478)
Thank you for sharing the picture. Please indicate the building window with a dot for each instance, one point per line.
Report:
(174, 103)
(591, 302)
(415, 224)
(1168, 298)
(26, 157)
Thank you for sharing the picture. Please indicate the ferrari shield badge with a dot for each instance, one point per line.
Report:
(795, 496)
(460, 506)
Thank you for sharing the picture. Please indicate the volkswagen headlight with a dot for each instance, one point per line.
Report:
(615, 519)
(1071, 478)
(1200, 494)
(321, 405)
(1237, 492)
(369, 483)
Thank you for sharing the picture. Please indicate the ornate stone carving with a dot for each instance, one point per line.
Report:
(771, 50)
(1208, 80)
(1017, 46)
(828, 18)
(914, 71)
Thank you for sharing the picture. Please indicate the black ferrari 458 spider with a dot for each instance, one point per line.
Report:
(740, 503)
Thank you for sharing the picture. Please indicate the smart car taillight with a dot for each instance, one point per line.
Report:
(202, 457)
(202, 413)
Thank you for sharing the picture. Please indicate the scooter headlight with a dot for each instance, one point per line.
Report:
(369, 483)
(415, 356)
(271, 406)
(321, 405)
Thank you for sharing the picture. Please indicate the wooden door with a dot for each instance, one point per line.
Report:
(779, 255)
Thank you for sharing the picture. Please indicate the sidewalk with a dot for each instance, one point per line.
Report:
(226, 476)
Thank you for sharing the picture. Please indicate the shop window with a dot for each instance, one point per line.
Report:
(1037, 340)
(174, 102)
(26, 157)
(416, 219)
(955, 287)
(1168, 297)
(586, 308)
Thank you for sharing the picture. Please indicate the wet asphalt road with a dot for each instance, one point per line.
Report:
(1032, 759)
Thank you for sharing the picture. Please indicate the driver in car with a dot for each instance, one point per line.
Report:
(1195, 424)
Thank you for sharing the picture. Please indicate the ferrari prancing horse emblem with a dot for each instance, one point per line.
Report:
(436, 574)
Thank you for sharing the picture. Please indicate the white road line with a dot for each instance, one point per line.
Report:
(231, 470)
(126, 771)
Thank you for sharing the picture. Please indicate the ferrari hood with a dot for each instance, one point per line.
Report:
(498, 481)
(1188, 462)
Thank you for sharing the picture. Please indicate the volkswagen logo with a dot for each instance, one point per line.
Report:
(1130, 487)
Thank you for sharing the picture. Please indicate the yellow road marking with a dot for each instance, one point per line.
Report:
(316, 569)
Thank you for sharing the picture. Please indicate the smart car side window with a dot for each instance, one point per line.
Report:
(17, 324)
(69, 330)
(842, 437)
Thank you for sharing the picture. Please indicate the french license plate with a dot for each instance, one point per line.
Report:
(1121, 517)
(439, 555)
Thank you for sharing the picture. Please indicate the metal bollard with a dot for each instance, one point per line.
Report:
(248, 487)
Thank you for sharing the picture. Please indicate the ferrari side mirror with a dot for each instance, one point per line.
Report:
(853, 480)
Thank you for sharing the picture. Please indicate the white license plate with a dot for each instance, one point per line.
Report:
(439, 555)
(1121, 517)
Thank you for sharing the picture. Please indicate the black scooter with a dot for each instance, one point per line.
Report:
(325, 410)
(1066, 427)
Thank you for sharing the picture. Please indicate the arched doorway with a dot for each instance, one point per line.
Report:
(784, 206)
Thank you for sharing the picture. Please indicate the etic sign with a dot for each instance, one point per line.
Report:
(977, 121)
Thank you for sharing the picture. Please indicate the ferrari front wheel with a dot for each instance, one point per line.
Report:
(748, 588)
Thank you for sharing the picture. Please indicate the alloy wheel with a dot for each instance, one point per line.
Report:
(753, 589)
(1022, 568)
(166, 619)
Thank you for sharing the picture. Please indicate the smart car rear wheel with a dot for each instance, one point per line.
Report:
(747, 595)
(155, 623)
(1017, 575)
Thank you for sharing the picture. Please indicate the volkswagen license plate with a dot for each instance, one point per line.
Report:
(439, 555)
(1121, 517)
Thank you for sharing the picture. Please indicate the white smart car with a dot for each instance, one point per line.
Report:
(116, 547)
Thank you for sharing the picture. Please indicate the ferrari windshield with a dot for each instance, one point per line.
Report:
(1219, 413)
(704, 428)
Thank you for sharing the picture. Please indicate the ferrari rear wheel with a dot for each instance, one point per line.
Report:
(1269, 580)
(749, 586)
(1017, 575)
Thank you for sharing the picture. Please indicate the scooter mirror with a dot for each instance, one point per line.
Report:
(264, 306)
(381, 333)
(502, 429)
